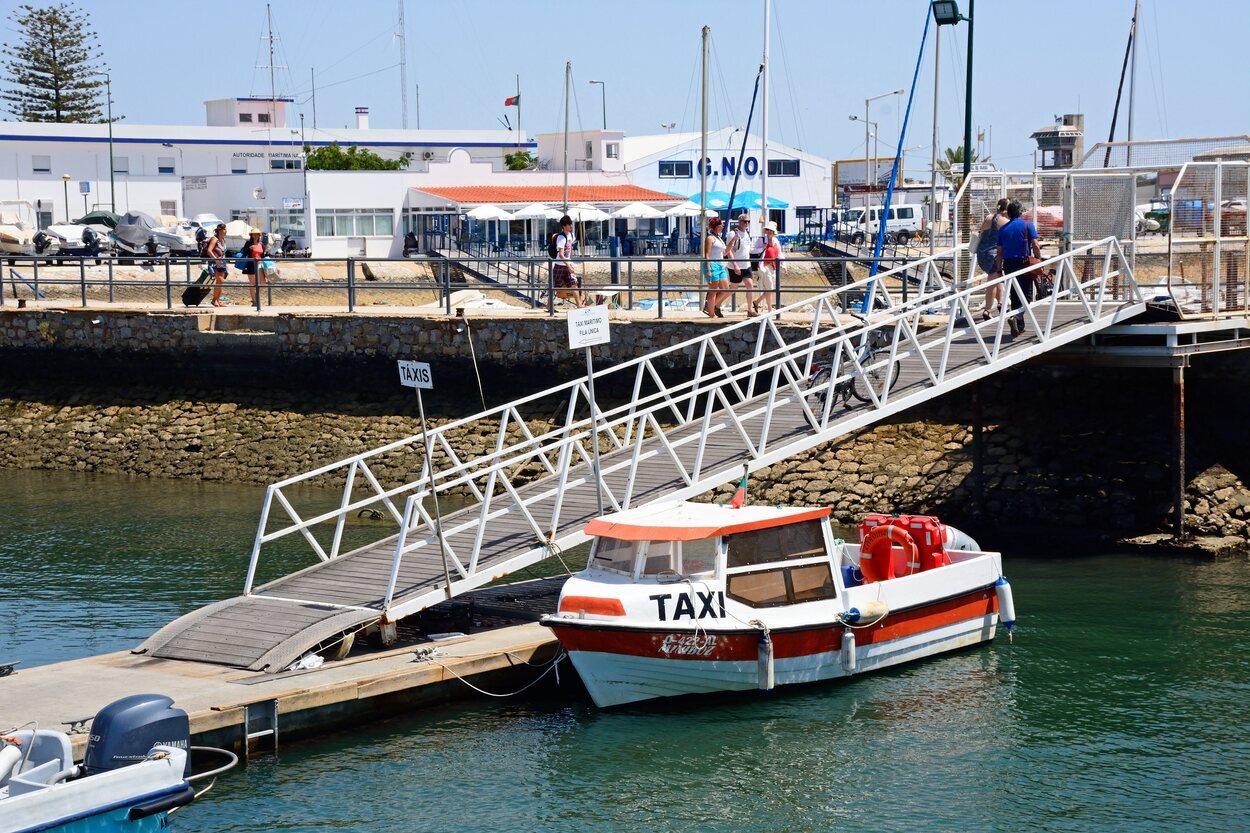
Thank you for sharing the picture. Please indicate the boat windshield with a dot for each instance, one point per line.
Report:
(685, 557)
(614, 554)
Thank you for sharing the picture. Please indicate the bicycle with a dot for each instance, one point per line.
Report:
(875, 378)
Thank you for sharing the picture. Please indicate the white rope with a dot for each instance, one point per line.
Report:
(554, 663)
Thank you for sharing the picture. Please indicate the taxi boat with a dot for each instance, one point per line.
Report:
(690, 598)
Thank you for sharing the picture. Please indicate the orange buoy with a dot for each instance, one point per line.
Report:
(888, 551)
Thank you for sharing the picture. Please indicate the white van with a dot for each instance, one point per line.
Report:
(906, 220)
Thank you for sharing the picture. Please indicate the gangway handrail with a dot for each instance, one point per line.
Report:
(725, 381)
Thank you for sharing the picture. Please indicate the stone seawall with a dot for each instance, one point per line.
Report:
(527, 340)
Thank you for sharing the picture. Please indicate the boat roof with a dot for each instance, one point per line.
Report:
(685, 521)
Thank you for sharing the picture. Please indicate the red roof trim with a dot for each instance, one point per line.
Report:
(524, 194)
(638, 532)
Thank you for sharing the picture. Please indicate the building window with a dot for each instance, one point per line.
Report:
(169, 208)
(165, 165)
(613, 150)
(783, 167)
(41, 164)
(263, 118)
(285, 164)
(358, 222)
(676, 170)
(121, 164)
(245, 117)
(238, 164)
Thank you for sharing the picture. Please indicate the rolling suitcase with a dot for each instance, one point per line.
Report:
(195, 294)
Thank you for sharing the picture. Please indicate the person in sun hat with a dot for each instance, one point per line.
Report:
(770, 267)
(253, 253)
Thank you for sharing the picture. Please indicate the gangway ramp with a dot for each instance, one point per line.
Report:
(532, 487)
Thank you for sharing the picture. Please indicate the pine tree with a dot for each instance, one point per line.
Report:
(50, 71)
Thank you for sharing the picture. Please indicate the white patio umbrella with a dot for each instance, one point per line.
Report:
(488, 212)
(583, 213)
(637, 211)
(537, 211)
(687, 209)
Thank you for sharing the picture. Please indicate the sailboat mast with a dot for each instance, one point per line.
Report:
(273, 89)
(1132, 81)
(403, 67)
(764, 120)
(703, 163)
(568, 75)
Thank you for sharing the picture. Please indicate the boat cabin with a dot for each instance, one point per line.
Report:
(766, 556)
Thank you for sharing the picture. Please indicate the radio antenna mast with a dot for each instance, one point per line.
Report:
(403, 67)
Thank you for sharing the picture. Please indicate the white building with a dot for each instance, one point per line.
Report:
(63, 169)
(800, 185)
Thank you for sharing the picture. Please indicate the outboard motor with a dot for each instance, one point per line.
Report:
(42, 240)
(126, 730)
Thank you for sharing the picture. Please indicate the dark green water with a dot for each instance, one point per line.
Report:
(1124, 703)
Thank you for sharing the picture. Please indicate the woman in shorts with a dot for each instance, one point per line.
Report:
(714, 272)
(987, 252)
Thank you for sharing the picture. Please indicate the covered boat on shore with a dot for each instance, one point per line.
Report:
(690, 598)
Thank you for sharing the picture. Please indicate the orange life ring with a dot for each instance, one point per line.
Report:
(878, 560)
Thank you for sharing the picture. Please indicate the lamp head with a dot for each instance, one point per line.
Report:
(946, 12)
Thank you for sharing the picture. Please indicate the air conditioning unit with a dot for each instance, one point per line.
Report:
(427, 155)
(258, 193)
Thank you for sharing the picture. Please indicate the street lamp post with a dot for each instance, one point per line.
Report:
(875, 175)
(108, 94)
(65, 185)
(603, 92)
(946, 13)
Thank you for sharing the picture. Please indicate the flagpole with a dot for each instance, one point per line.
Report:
(520, 137)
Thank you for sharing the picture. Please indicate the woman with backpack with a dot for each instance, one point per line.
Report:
(560, 248)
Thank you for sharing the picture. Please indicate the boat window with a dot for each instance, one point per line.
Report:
(785, 585)
(777, 543)
(812, 582)
(614, 554)
(766, 587)
(698, 556)
(661, 557)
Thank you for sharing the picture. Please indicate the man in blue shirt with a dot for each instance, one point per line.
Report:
(1016, 241)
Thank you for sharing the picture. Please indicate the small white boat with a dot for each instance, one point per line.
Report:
(135, 772)
(690, 598)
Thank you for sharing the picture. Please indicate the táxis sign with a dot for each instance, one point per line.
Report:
(416, 375)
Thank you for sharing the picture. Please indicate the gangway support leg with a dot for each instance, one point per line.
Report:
(1178, 447)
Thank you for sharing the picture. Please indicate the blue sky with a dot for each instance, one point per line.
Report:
(1033, 60)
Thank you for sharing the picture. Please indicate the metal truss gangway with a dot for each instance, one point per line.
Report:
(745, 400)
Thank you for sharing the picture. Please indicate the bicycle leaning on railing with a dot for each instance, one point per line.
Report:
(861, 375)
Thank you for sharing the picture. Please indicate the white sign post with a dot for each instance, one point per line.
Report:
(588, 326)
(417, 375)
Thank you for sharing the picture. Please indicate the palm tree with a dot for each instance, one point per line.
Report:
(952, 165)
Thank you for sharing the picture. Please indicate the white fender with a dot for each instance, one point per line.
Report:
(1006, 605)
(848, 651)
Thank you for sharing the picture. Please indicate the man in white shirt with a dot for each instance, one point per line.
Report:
(738, 248)
(563, 275)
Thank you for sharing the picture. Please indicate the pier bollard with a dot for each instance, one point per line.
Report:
(351, 285)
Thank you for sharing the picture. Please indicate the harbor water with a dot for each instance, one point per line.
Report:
(1120, 706)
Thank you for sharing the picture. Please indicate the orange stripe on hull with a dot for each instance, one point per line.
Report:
(742, 645)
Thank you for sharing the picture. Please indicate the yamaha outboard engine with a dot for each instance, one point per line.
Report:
(126, 730)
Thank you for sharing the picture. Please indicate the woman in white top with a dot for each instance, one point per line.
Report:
(738, 247)
(714, 272)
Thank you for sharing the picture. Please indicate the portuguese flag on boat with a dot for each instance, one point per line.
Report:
(740, 496)
(514, 101)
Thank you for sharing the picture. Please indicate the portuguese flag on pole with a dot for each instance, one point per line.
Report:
(514, 101)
